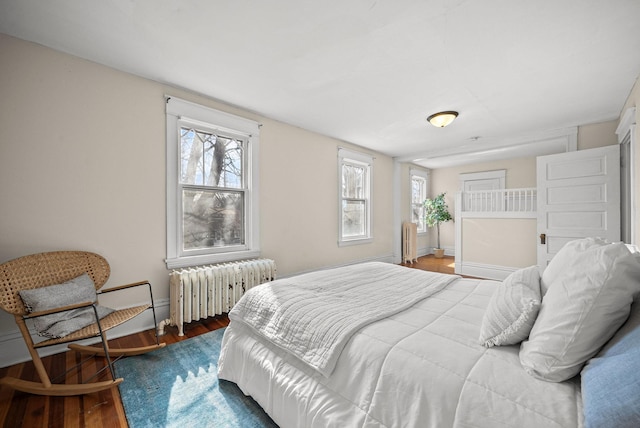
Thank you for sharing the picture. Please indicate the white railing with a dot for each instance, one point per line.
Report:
(498, 203)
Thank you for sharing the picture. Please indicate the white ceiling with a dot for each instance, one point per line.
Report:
(368, 71)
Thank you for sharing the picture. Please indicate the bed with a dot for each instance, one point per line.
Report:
(405, 347)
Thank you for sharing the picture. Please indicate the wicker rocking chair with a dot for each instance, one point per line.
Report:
(40, 270)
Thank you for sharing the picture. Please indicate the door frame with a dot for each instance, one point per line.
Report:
(626, 131)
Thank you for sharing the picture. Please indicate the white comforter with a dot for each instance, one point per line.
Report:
(422, 367)
(312, 316)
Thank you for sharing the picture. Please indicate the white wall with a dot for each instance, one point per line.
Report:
(82, 166)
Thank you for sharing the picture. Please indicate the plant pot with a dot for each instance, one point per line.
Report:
(438, 253)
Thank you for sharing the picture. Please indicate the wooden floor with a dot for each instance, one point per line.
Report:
(104, 409)
(443, 265)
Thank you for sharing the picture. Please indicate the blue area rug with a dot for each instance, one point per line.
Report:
(177, 386)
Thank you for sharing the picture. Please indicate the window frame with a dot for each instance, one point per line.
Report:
(206, 119)
(349, 157)
(423, 176)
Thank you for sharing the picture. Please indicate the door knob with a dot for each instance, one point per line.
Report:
(543, 238)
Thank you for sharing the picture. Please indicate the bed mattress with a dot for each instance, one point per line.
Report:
(422, 367)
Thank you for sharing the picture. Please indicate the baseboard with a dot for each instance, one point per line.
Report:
(481, 270)
(427, 251)
(448, 251)
(15, 351)
(424, 251)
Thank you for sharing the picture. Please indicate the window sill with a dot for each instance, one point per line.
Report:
(350, 242)
(181, 262)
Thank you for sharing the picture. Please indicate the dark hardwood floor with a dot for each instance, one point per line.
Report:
(104, 409)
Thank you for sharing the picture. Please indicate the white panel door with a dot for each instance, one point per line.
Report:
(578, 197)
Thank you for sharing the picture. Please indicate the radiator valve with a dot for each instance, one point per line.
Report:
(162, 324)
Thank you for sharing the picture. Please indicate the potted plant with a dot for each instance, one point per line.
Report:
(436, 211)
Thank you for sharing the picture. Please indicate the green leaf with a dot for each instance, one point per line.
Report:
(436, 211)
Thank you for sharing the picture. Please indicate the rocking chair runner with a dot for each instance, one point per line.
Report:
(44, 269)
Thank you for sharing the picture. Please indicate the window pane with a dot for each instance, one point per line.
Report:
(210, 160)
(212, 219)
(418, 195)
(415, 213)
(353, 218)
(353, 179)
(417, 186)
(190, 157)
(417, 216)
(225, 167)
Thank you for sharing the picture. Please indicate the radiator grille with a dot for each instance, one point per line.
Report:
(204, 291)
(409, 242)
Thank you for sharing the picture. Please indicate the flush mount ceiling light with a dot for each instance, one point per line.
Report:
(442, 119)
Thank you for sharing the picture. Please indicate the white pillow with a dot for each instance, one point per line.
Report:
(587, 301)
(635, 250)
(564, 257)
(512, 309)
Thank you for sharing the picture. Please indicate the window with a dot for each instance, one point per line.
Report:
(211, 192)
(355, 197)
(418, 196)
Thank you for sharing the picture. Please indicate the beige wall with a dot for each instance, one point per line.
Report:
(82, 166)
(299, 202)
(499, 242)
(597, 135)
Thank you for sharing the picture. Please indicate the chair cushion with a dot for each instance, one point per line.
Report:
(512, 309)
(611, 380)
(77, 290)
(587, 301)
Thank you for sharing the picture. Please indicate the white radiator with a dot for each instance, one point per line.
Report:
(409, 242)
(204, 291)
